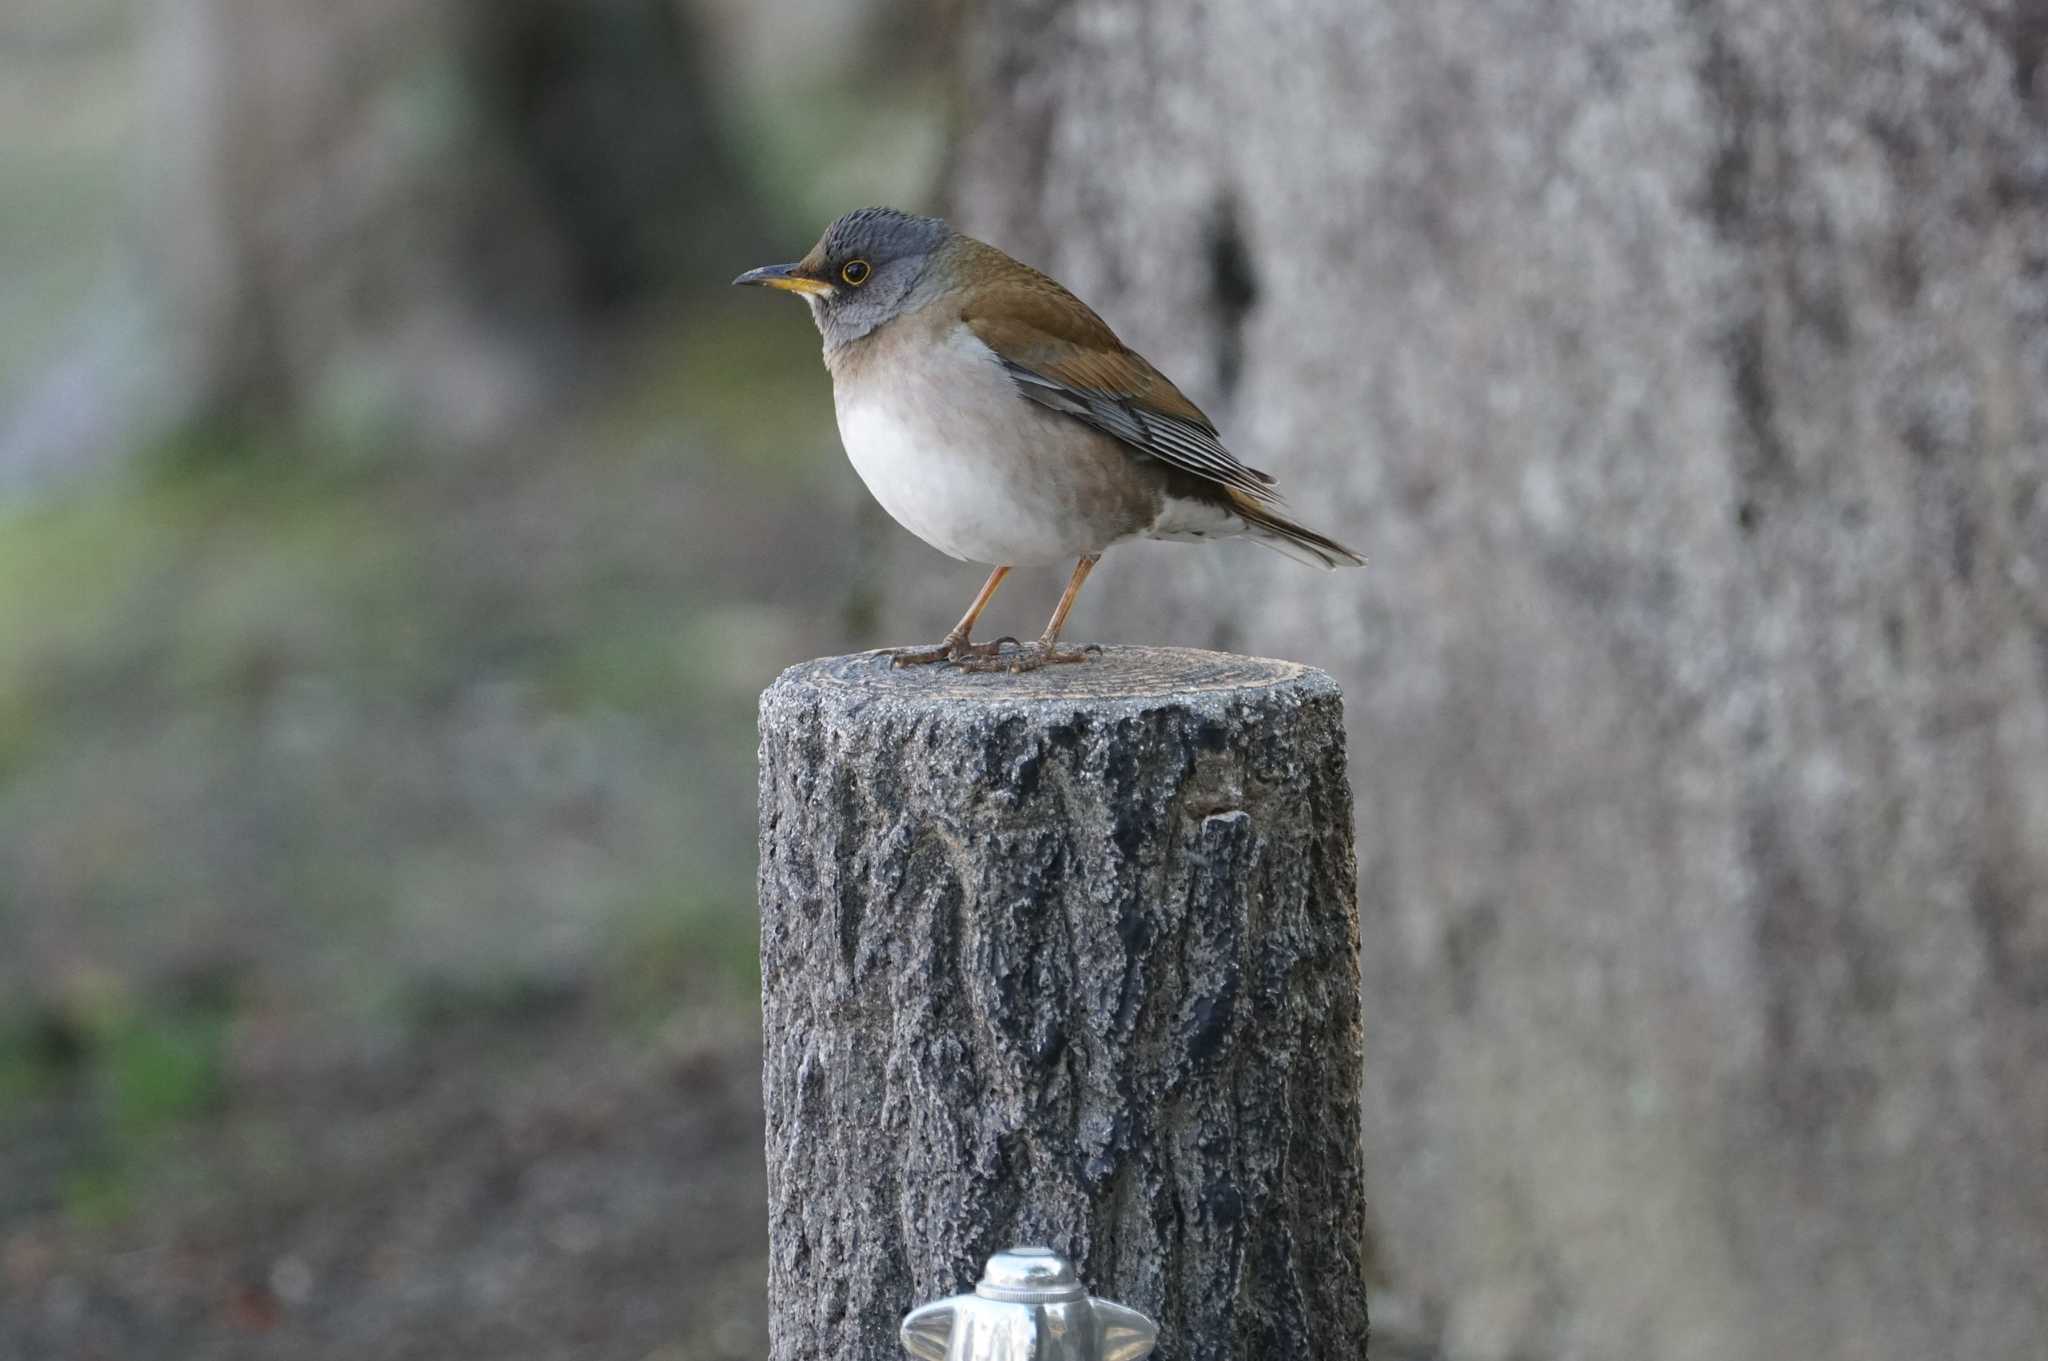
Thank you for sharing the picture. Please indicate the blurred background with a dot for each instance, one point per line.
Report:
(398, 519)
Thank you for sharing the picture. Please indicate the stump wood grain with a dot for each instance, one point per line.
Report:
(1069, 958)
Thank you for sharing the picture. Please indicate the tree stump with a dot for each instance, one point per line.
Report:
(1068, 957)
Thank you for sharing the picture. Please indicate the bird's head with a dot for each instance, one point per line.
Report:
(862, 271)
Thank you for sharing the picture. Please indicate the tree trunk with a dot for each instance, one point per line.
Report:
(1683, 370)
(1071, 958)
(386, 217)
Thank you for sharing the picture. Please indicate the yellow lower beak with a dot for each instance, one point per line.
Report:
(787, 278)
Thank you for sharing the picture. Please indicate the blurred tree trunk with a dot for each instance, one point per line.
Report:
(390, 214)
(1683, 370)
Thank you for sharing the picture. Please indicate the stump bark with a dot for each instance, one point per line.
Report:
(1068, 957)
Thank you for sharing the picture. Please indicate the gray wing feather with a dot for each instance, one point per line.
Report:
(1169, 439)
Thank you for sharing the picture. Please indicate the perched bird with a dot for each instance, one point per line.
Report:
(1001, 421)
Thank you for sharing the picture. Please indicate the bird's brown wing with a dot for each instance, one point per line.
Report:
(1062, 356)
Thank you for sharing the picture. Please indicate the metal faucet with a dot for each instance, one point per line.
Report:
(1029, 1307)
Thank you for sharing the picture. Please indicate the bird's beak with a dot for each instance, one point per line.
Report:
(790, 278)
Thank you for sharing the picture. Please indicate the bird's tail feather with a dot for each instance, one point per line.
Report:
(1282, 535)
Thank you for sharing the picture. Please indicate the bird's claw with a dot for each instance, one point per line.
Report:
(1029, 657)
(956, 650)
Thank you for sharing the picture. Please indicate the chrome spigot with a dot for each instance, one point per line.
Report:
(1028, 1307)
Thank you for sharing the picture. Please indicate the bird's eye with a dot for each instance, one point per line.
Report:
(855, 272)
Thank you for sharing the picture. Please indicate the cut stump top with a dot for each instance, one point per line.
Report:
(1139, 677)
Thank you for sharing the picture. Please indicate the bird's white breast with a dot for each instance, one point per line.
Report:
(936, 430)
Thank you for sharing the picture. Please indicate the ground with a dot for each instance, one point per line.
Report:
(377, 942)
(376, 853)
(520, 1180)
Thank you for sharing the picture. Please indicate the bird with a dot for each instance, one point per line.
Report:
(996, 417)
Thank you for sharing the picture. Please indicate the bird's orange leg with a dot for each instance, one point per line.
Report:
(1045, 651)
(956, 648)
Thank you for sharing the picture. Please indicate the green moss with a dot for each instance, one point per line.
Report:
(118, 1078)
(147, 1060)
(98, 1195)
(156, 1071)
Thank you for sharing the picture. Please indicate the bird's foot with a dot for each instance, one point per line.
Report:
(955, 649)
(1031, 656)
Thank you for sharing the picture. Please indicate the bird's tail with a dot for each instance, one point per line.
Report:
(1272, 530)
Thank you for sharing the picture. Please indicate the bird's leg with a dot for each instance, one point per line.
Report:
(1045, 651)
(956, 648)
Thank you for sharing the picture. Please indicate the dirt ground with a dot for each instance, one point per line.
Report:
(522, 1180)
(377, 963)
(377, 973)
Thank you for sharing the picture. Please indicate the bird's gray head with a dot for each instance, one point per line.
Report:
(861, 272)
